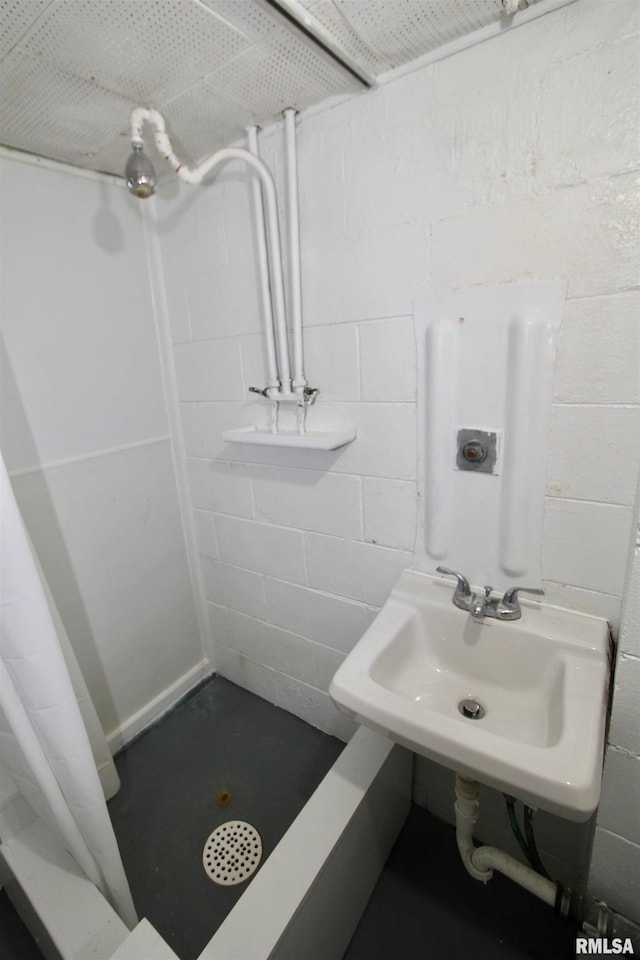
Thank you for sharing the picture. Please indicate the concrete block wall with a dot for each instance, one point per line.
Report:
(514, 160)
(615, 868)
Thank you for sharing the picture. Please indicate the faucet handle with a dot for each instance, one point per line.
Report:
(463, 588)
(510, 599)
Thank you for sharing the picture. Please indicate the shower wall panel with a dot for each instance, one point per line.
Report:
(85, 437)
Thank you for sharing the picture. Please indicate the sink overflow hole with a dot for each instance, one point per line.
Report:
(471, 709)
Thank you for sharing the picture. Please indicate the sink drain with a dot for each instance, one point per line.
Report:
(232, 853)
(471, 709)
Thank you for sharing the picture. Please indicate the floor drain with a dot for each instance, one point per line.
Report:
(232, 853)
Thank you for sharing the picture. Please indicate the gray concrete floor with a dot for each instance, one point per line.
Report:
(426, 904)
(224, 744)
(16, 943)
(222, 754)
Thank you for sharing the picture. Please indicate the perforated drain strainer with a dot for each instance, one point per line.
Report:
(232, 852)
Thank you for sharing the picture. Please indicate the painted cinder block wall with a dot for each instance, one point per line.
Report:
(514, 160)
(615, 865)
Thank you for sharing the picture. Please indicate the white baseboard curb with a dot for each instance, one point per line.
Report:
(309, 896)
(156, 708)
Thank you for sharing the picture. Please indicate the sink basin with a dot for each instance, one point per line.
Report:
(540, 683)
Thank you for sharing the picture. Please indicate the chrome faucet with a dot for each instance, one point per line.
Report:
(480, 606)
(484, 605)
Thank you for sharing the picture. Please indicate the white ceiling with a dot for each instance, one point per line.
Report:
(70, 70)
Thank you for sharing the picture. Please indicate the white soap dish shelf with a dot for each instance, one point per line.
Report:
(311, 440)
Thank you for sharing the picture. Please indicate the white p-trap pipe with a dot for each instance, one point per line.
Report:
(482, 861)
(490, 858)
(195, 175)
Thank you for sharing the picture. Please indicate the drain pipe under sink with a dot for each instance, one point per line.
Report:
(482, 861)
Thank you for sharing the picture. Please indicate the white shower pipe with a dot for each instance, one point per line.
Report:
(299, 380)
(263, 270)
(195, 175)
(482, 861)
(294, 245)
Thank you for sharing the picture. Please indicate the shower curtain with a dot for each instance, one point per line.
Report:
(44, 744)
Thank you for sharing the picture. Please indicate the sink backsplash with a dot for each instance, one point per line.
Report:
(485, 380)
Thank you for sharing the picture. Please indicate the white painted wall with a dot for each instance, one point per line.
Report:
(615, 865)
(514, 160)
(84, 434)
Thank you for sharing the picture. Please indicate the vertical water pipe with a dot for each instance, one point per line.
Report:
(299, 380)
(263, 267)
(263, 271)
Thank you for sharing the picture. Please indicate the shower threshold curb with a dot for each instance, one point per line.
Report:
(327, 863)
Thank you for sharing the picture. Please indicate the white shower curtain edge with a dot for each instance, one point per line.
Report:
(43, 739)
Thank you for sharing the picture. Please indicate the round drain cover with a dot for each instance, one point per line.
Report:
(232, 853)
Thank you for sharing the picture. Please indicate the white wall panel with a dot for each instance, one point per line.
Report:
(84, 429)
(80, 367)
(108, 535)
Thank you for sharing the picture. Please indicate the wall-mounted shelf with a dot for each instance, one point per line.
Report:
(312, 440)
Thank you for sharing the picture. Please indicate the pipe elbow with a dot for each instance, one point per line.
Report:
(141, 115)
(490, 858)
(189, 175)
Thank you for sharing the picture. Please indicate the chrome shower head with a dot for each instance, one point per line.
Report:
(141, 177)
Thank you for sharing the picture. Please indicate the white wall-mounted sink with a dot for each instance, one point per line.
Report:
(542, 681)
